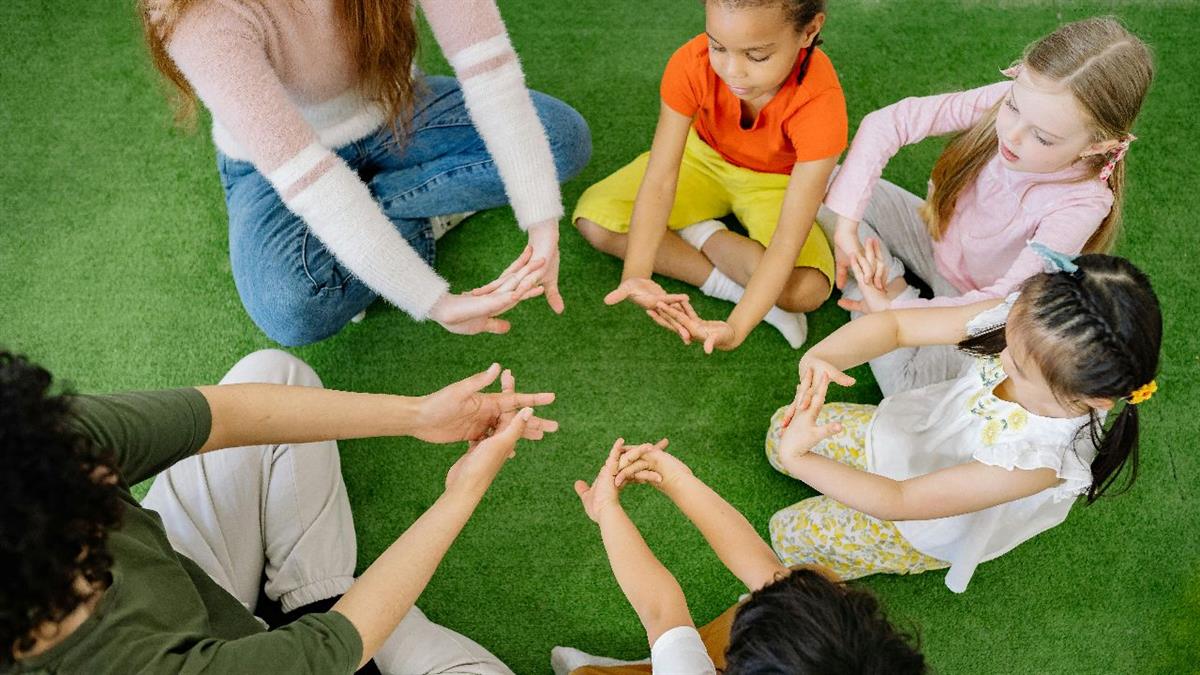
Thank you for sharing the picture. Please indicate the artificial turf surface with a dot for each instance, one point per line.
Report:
(114, 254)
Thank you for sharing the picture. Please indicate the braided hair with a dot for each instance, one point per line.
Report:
(1095, 333)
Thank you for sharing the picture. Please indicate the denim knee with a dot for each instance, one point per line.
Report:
(570, 137)
(298, 319)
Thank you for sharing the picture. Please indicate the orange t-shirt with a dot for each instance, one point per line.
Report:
(803, 122)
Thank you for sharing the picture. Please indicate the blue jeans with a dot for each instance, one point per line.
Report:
(293, 288)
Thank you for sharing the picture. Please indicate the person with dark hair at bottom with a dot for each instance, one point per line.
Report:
(96, 583)
(798, 620)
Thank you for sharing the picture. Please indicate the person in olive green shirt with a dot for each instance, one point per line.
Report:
(95, 582)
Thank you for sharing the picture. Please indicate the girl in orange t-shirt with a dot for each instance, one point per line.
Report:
(751, 123)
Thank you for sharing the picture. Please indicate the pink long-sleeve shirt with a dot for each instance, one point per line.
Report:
(280, 81)
(983, 252)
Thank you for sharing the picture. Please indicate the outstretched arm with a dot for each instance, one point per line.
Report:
(380, 598)
(650, 588)
(727, 531)
(256, 414)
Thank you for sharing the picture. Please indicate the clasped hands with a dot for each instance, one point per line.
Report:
(866, 263)
(674, 312)
(533, 273)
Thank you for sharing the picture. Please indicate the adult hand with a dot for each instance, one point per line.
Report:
(650, 463)
(648, 295)
(715, 334)
(800, 429)
(476, 311)
(603, 493)
(474, 472)
(543, 239)
(462, 412)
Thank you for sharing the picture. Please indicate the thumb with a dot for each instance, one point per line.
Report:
(516, 426)
(616, 296)
(709, 343)
(850, 305)
(843, 379)
(828, 430)
(479, 381)
(581, 488)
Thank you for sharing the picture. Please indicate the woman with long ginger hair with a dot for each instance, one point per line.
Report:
(339, 160)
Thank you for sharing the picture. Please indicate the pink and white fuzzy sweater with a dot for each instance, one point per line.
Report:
(280, 82)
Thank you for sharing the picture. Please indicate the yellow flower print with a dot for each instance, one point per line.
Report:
(1017, 419)
(991, 431)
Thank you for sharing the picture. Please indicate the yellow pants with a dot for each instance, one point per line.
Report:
(823, 531)
(709, 187)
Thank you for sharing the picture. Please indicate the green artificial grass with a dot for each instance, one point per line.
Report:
(114, 257)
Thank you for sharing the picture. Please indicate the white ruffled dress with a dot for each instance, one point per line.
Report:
(958, 421)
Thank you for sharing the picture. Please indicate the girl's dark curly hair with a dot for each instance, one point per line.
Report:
(58, 500)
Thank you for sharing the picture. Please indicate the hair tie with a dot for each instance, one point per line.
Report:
(1143, 393)
(1115, 155)
(1053, 261)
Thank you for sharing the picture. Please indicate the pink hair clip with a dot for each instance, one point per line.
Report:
(1115, 155)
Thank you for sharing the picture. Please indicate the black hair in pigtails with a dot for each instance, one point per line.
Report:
(1117, 448)
(817, 41)
(1095, 333)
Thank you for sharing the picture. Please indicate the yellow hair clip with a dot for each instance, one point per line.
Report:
(1143, 393)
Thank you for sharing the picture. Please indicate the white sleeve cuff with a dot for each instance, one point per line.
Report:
(345, 217)
(503, 112)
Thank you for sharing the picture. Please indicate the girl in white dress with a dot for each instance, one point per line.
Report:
(962, 471)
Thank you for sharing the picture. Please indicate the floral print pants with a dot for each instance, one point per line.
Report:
(823, 531)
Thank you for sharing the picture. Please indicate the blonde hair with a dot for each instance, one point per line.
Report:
(382, 35)
(1107, 69)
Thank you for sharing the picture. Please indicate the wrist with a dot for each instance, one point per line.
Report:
(407, 413)
(608, 510)
(541, 229)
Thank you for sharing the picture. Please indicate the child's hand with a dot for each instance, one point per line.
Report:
(715, 334)
(846, 247)
(814, 367)
(648, 295)
(604, 492)
(800, 429)
(650, 463)
(869, 269)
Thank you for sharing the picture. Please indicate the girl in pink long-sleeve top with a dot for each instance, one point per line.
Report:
(1037, 158)
(337, 157)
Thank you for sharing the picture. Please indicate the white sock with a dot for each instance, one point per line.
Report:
(565, 659)
(793, 325)
(699, 233)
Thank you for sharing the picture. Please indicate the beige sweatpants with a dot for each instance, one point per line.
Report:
(282, 511)
(893, 218)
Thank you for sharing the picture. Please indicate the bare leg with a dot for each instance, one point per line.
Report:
(675, 259)
(739, 256)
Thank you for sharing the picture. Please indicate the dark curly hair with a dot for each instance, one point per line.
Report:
(806, 623)
(58, 500)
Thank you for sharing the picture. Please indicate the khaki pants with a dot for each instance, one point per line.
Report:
(892, 217)
(282, 511)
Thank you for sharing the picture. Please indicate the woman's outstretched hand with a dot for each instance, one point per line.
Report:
(543, 239)
(477, 311)
(462, 412)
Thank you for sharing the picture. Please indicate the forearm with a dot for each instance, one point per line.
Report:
(648, 225)
(258, 414)
(727, 532)
(650, 588)
(380, 598)
(859, 341)
(767, 281)
(870, 493)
